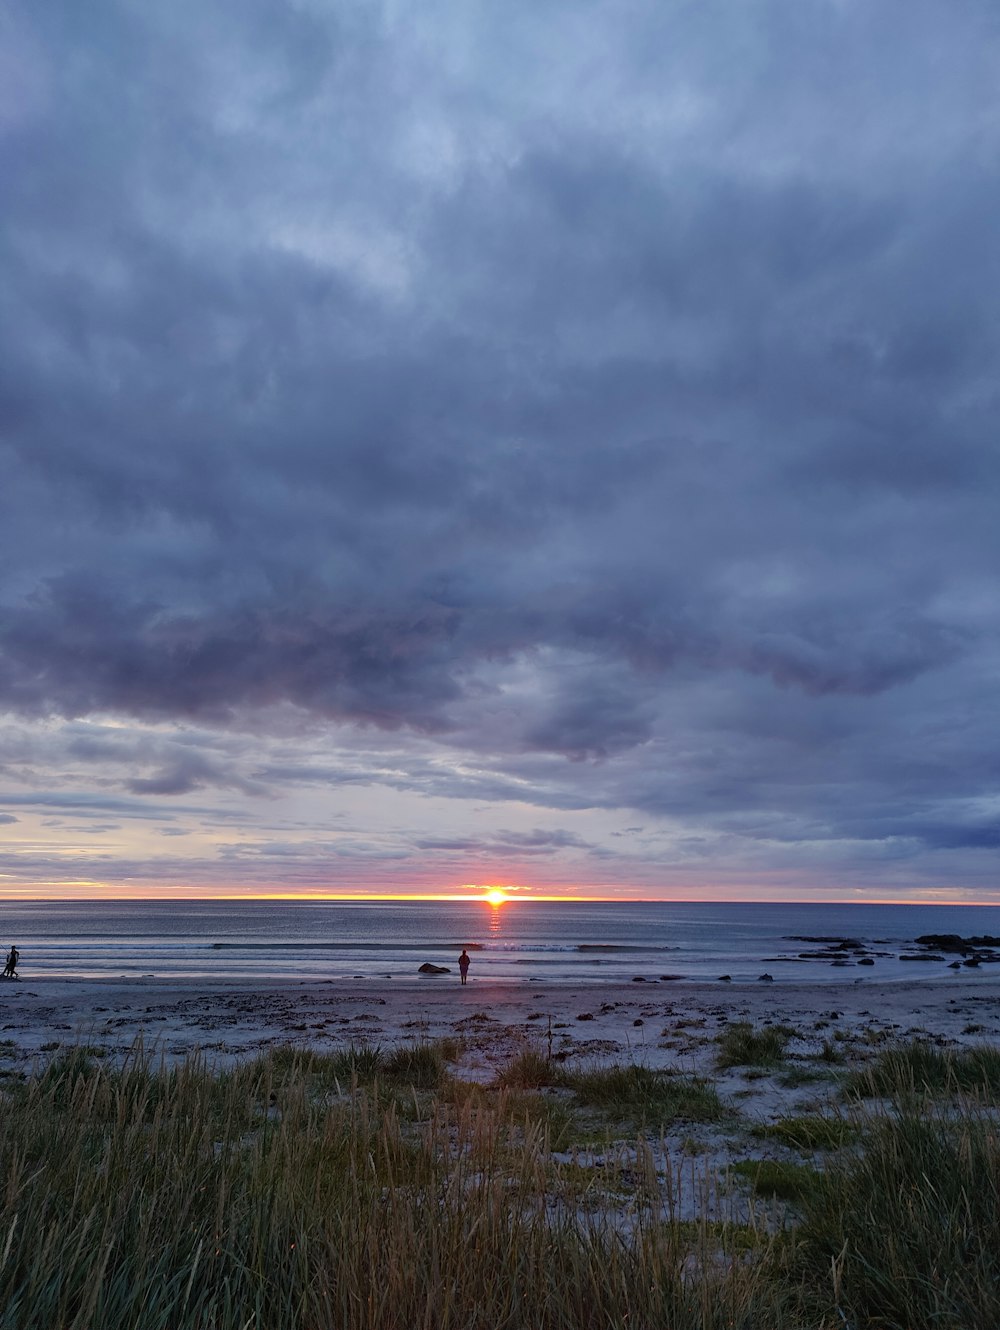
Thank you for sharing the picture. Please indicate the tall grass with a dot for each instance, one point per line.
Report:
(910, 1226)
(638, 1094)
(278, 1196)
(183, 1199)
(919, 1067)
(743, 1045)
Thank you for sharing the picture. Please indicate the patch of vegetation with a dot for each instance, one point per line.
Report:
(743, 1045)
(420, 1066)
(636, 1093)
(322, 1213)
(792, 1077)
(773, 1177)
(910, 1225)
(808, 1132)
(362, 1062)
(528, 1070)
(919, 1067)
(726, 1237)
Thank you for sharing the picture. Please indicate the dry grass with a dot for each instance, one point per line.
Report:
(183, 1199)
(286, 1194)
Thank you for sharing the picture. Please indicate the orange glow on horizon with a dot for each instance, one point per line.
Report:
(496, 897)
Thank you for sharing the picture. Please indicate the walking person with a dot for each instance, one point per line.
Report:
(13, 956)
(463, 966)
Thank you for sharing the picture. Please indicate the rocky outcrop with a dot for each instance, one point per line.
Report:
(974, 951)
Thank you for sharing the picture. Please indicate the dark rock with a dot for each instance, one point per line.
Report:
(972, 962)
(638, 979)
(843, 943)
(922, 956)
(943, 942)
(669, 978)
(952, 942)
(638, 1021)
(765, 979)
(585, 1016)
(955, 965)
(428, 968)
(866, 960)
(725, 978)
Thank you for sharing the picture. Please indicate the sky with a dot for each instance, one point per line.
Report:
(549, 444)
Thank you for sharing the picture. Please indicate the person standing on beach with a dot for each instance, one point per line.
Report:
(463, 965)
(10, 969)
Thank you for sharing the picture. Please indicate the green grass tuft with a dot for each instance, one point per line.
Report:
(773, 1177)
(528, 1070)
(909, 1225)
(636, 1093)
(809, 1132)
(919, 1067)
(743, 1045)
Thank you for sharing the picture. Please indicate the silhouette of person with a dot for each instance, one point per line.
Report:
(13, 956)
(463, 965)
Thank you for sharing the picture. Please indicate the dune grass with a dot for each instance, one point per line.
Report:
(743, 1045)
(184, 1199)
(910, 1225)
(636, 1094)
(282, 1193)
(920, 1067)
(808, 1132)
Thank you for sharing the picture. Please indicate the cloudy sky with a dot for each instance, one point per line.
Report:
(543, 443)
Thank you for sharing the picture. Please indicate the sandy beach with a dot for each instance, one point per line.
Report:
(732, 1165)
(666, 1026)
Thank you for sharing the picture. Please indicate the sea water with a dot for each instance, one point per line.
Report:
(518, 942)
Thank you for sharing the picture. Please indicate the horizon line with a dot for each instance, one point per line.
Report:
(479, 899)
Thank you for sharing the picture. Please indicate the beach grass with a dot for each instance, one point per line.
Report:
(742, 1044)
(808, 1132)
(920, 1067)
(291, 1190)
(910, 1224)
(152, 1198)
(635, 1093)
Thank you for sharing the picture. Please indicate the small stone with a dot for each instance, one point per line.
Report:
(585, 1016)
(638, 1021)
(766, 979)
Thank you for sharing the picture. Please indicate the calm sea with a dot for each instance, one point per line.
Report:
(517, 942)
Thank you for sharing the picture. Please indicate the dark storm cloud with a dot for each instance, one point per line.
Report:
(90, 805)
(508, 843)
(381, 373)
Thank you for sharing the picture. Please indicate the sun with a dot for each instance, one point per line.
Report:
(496, 897)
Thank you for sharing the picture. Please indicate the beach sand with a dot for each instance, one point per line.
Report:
(665, 1026)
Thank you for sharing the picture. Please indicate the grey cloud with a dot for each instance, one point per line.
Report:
(528, 843)
(6, 819)
(88, 804)
(192, 772)
(486, 416)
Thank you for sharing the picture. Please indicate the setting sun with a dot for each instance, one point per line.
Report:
(496, 897)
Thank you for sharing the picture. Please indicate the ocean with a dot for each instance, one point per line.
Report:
(518, 942)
